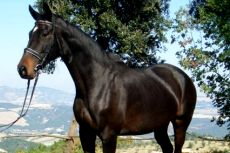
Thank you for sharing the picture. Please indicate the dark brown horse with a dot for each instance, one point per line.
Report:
(112, 99)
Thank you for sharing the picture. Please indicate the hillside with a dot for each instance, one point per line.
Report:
(13, 145)
(192, 145)
(51, 112)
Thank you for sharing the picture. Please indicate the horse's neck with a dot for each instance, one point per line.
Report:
(87, 60)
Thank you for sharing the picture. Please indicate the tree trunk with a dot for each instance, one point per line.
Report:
(72, 133)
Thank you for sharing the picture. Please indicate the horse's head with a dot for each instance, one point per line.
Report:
(42, 46)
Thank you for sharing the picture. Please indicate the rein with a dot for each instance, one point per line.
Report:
(24, 109)
(38, 67)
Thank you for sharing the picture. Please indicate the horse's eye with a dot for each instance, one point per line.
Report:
(45, 33)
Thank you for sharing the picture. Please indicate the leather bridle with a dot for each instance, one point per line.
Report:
(38, 67)
(36, 53)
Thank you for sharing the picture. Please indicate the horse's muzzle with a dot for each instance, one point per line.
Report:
(23, 72)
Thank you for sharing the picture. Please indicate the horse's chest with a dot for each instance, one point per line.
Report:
(82, 113)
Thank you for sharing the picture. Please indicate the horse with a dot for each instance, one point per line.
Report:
(112, 99)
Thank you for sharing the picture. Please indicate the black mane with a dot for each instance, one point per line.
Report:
(86, 43)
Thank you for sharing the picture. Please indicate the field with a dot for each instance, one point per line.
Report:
(191, 146)
(195, 145)
(127, 145)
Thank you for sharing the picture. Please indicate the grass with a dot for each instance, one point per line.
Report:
(129, 145)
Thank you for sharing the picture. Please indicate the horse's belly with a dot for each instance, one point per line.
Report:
(149, 118)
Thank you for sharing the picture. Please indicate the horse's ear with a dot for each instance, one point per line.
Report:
(47, 12)
(34, 14)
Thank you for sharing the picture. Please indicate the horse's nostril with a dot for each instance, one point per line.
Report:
(22, 71)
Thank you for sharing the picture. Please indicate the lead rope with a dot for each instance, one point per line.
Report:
(36, 69)
(23, 110)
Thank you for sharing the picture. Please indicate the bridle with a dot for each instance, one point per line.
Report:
(37, 69)
(36, 53)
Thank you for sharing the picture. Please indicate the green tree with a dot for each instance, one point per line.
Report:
(133, 29)
(203, 30)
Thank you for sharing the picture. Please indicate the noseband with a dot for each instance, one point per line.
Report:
(38, 56)
(36, 53)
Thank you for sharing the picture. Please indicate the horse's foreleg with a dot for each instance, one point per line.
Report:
(86, 132)
(163, 140)
(109, 140)
(88, 138)
(109, 145)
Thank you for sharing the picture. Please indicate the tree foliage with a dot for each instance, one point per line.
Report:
(134, 29)
(203, 30)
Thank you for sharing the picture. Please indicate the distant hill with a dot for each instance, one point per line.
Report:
(41, 95)
(12, 145)
(51, 112)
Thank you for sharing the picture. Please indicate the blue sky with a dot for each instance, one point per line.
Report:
(16, 23)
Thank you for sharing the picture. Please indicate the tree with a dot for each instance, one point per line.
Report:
(134, 29)
(204, 33)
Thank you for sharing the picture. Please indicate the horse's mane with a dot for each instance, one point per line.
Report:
(75, 31)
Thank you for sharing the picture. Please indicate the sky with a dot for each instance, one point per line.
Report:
(16, 23)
